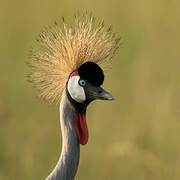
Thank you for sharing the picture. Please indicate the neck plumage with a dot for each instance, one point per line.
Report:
(69, 159)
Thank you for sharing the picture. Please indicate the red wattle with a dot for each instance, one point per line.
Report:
(81, 128)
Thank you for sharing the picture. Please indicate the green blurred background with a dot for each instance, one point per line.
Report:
(136, 137)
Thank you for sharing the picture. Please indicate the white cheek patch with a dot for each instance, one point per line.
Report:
(75, 90)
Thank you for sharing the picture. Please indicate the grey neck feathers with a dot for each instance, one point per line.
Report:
(69, 159)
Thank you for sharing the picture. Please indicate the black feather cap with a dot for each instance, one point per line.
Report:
(91, 72)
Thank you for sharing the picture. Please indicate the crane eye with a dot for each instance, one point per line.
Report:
(82, 82)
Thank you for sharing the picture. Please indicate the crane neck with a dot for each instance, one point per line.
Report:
(69, 159)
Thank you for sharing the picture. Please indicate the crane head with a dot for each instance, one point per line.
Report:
(84, 84)
(76, 50)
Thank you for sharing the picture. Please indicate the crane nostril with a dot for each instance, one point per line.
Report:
(99, 92)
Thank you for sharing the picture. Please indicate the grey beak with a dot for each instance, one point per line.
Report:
(98, 93)
(104, 95)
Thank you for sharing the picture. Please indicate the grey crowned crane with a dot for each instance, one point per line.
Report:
(65, 69)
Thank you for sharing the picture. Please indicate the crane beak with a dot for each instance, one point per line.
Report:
(94, 92)
(104, 95)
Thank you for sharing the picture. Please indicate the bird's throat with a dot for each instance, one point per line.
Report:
(81, 128)
(80, 119)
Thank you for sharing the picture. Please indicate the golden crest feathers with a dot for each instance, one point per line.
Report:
(62, 49)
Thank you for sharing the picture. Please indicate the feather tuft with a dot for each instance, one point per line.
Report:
(61, 49)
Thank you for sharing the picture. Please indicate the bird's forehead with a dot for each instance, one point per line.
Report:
(92, 73)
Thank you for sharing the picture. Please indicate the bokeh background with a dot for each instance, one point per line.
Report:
(136, 137)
